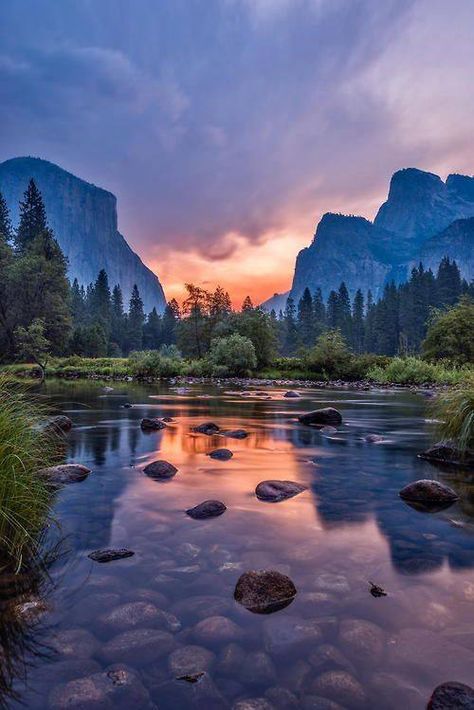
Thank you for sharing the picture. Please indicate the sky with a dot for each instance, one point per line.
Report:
(226, 128)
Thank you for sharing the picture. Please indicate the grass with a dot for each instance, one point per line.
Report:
(455, 410)
(24, 448)
(414, 370)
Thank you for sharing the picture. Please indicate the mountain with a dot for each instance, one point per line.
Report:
(423, 219)
(84, 220)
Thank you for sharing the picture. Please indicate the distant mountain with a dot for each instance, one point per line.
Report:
(84, 220)
(423, 219)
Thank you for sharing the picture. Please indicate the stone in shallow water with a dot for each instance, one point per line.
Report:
(230, 660)
(60, 424)
(428, 491)
(253, 704)
(374, 439)
(291, 394)
(446, 452)
(207, 428)
(140, 646)
(152, 424)
(189, 660)
(276, 491)
(159, 470)
(452, 696)
(236, 434)
(264, 591)
(216, 630)
(110, 555)
(258, 669)
(281, 698)
(201, 607)
(328, 430)
(135, 615)
(221, 454)
(287, 635)
(64, 473)
(118, 688)
(322, 417)
(362, 640)
(341, 687)
(207, 509)
(316, 702)
(329, 658)
(74, 643)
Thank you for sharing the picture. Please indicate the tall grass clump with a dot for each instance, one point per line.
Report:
(414, 371)
(24, 499)
(455, 412)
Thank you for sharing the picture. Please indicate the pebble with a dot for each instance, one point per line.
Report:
(159, 470)
(74, 643)
(221, 454)
(287, 635)
(119, 689)
(362, 640)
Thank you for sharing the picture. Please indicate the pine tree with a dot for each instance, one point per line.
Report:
(369, 324)
(32, 217)
(77, 303)
(319, 313)
(135, 321)
(170, 320)
(448, 283)
(344, 315)
(7, 296)
(291, 330)
(5, 222)
(118, 325)
(332, 311)
(101, 302)
(305, 319)
(358, 335)
(152, 331)
(247, 305)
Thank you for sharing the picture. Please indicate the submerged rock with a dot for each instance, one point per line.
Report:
(127, 405)
(167, 419)
(64, 473)
(138, 646)
(328, 430)
(291, 394)
(253, 704)
(286, 635)
(190, 660)
(428, 491)
(446, 452)
(362, 640)
(322, 417)
(452, 696)
(374, 439)
(74, 643)
(60, 424)
(221, 454)
(110, 555)
(118, 688)
(207, 428)
(236, 434)
(217, 630)
(276, 491)
(135, 615)
(341, 687)
(159, 470)
(207, 509)
(154, 424)
(264, 591)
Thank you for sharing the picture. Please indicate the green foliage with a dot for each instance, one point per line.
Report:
(24, 448)
(233, 355)
(32, 343)
(166, 362)
(451, 334)
(330, 356)
(414, 370)
(455, 410)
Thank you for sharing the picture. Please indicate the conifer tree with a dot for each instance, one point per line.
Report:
(305, 321)
(344, 315)
(135, 321)
(118, 325)
(77, 303)
(169, 323)
(448, 283)
(247, 304)
(152, 331)
(291, 330)
(5, 222)
(358, 322)
(32, 217)
(332, 315)
(101, 302)
(319, 313)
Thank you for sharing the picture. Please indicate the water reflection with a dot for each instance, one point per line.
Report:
(349, 527)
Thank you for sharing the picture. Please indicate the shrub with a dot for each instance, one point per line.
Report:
(414, 370)
(232, 355)
(451, 334)
(330, 356)
(166, 362)
(24, 448)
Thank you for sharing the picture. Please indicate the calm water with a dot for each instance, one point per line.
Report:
(335, 640)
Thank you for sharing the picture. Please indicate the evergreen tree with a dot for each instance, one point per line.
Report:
(448, 283)
(319, 313)
(7, 296)
(101, 302)
(306, 319)
(332, 311)
(135, 321)
(118, 321)
(77, 303)
(290, 327)
(358, 335)
(5, 222)
(152, 331)
(170, 320)
(369, 334)
(247, 305)
(32, 217)
(344, 315)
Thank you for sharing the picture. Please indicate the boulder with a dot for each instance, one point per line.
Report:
(362, 641)
(60, 424)
(286, 635)
(152, 424)
(216, 630)
(208, 428)
(374, 439)
(168, 420)
(118, 688)
(291, 394)
(136, 615)
(159, 470)
(190, 660)
(140, 646)
(236, 434)
(452, 696)
(221, 454)
(341, 687)
(110, 555)
(276, 491)
(446, 452)
(322, 417)
(282, 698)
(64, 474)
(207, 509)
(264, 591)
(74, 644)
(428, 491)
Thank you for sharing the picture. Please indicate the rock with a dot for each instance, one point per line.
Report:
(374, 439)
(30, 611)
(281, 698)
(291, 394)
(107, 389)
(336, 583)
(189, 660)
(264, 591)
(159, 470)
(428, 491)
(201, 607)
(216, 630)
(316, 702)
(110, 555)
(208, 428)
(167, 420)
(287, 635)
(321, 417)
(341, 687)
(257, 669)
(153, 424)
(127, 405)
(60, 424)
(362, 640)
(64, 671)
(188, 551)
(446, 452)
(119, 689)
(221, 454)
(64, 473)
(452, 696)
(396, 692)
(138, 646)
(328, 430)
(236, 434)
(329, 658)
(74, 643)
(253, 704)
(135, 615)
(207, 509)
(230, 660)
(297, 676)
(202, 693)
(276, 491)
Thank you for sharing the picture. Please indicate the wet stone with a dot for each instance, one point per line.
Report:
(208, 428)
(362, 640)
(328, 430)
(281, 698)
(135, 615)
(221, 454)
(297, 676)
(275, 491)
(152, 424)
(74, 644)
(189, 660)
(428, 491)
(257, 670)
(322, 417)
(64, 474)
(159, 470)
(216, 630)
(286, 635)
(452, 696)
(60, 424)
(110, 555)
(264, 591)
(328, 658)
(230, 660)
(446, 452)
(138, 646)
(374, 439)
(119, 689)
(291, 394)
(200, 607)
(207, 509)
(236, 434)
(253, 704)
(341, 687)
(316, 702)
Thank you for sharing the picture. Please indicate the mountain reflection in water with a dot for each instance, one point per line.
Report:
(349, 527)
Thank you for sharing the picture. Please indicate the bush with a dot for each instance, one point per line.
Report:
(166, 362)
(451, 334)
(232, 355)
(330, 357)
(24, 448)
(414, 370)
